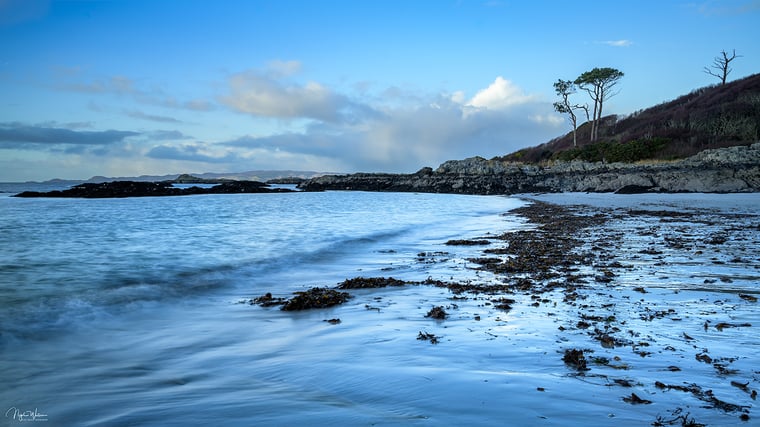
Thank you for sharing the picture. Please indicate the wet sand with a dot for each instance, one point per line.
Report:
(632, 310)
(660, 299)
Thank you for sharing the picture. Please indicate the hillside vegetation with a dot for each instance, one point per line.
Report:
(710, 117)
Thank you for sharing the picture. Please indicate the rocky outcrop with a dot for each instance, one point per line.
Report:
(145, 189)
(725, 170)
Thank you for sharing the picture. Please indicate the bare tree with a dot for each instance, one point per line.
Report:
(721, 66)
(598, 83)
(564, 89)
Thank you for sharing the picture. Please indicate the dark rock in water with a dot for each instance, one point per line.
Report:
(233, 187)
(467, 242)
(634, 189)
(112, 189)
(636, 400)
(144, 189)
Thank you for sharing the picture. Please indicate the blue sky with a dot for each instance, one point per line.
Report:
(125, 88)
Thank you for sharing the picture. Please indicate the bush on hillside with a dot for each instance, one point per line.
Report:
(627, 152)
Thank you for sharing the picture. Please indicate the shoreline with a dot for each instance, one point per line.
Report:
(723, 170)
(655, 303)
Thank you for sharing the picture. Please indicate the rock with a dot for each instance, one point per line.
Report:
(112, 189)
(115, 189)
(286, 180)
(634, 189)
(190, 179)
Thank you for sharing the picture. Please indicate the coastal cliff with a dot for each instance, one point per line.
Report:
(723, 170)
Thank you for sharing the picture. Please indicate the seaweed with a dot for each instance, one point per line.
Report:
(315, 298)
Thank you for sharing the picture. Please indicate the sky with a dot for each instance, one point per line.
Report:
(152, 87)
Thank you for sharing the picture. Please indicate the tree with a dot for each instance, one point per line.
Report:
(564, 89)
(598, 83)
(721, 65)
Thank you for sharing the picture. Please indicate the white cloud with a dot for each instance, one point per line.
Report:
(500, 94)
(458, 97)
(280, 68)
(119, 85)
(617, 43)
(260, 94)
(135, 114)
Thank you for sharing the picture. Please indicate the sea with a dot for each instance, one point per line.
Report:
(136, 311)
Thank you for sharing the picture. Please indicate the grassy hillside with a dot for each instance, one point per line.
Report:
(710, 117)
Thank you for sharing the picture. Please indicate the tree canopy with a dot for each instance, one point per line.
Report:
(598, 83)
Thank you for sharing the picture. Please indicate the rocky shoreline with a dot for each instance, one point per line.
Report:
(724, 170)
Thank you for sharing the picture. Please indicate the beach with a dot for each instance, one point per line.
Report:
(564, 309)
(633, 310)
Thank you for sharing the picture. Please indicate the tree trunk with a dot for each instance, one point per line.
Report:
(593, 121)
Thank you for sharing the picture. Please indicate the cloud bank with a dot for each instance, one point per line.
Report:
(364, 134)
(17, 134)
(315, 128)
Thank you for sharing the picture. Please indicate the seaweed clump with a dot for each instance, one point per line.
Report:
(437, 313)
(370, 282)
(426, 336)
(315, 298)
(575, 359)
(267, 300)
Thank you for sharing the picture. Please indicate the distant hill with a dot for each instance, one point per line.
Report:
(259, 175)
(710, 117)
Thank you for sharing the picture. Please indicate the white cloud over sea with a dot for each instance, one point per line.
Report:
(294, 124)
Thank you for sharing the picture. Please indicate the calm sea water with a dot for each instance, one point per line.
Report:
(127, 311)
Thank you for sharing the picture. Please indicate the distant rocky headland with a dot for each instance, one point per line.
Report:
(115, 189)
(724, 170)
